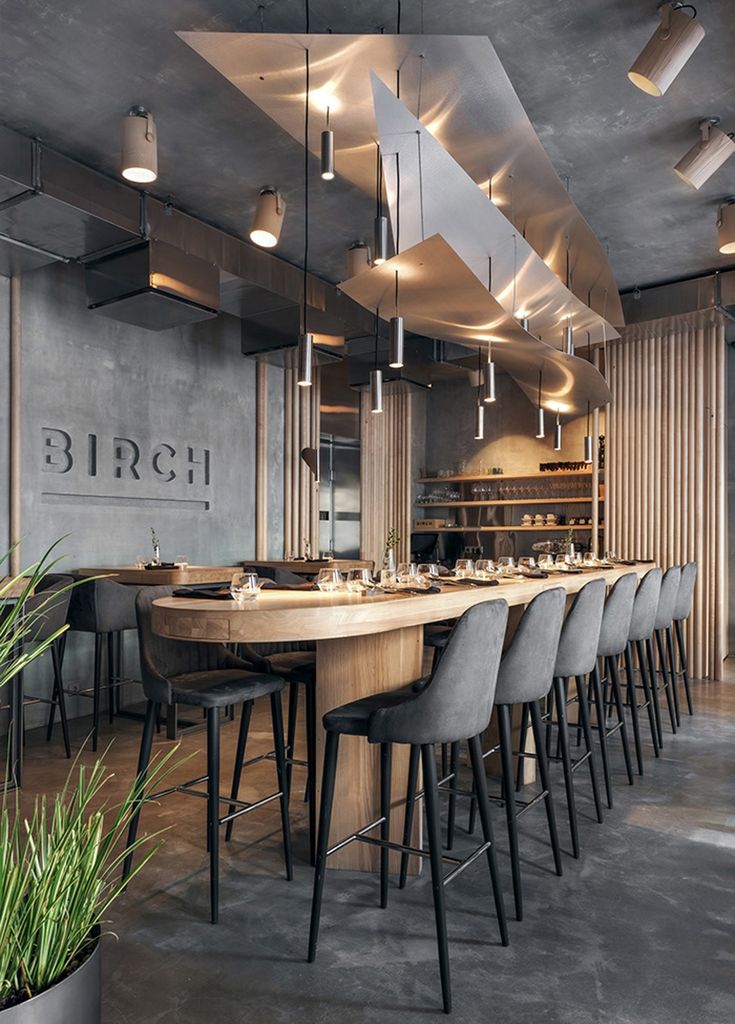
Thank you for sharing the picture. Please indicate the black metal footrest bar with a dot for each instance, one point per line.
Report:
(576, 762)
(186, 789)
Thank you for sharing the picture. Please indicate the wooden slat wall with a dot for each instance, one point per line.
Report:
(666, 471)
(301, 429)
(385, 475)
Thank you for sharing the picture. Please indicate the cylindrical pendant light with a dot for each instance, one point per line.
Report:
(557, 434)
(479, 405)
(376, 391)
(568, 338)
(540, 426)
(726, 227)
(668, 49)
(588, 456)
(488, 379)
(305, 360)
(358, 258)
(395, 354)
(268, 220)
(139, 146)
(327, 170)
(705, 156)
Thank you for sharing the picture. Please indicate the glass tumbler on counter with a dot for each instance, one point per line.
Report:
(359, 580)
(484, 568)
(140, 561)
(430, 569)
(506, 565)
(463, 568)
(244, 586)
(329, 580)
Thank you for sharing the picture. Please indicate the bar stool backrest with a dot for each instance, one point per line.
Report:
(526, 670)
(645, 606)
(685, 596)
(667, 597)
(617, 616)
(457, 701)
(50, 604)
(162, 659)
(102, 606)
(580, 634)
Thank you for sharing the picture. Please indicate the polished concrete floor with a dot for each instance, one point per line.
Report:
(639, 930)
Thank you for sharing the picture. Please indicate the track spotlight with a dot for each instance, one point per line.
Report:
(540, 431)
(139, 146)
(726, 227)
(706, 155)
(668, 49)
(305, 359)
(268, 220)
(327, 152)
(557, 434)
(358, 259)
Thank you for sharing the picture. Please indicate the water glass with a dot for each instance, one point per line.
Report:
(359, 580)
(387, 578)
(428, 569)
(140, 561)
(527, 563)
(244, 586)
(181, 563)
(407, 569)
(329, 580)
(545, 561)
(484, 568)
(506, 565)
(463, 568)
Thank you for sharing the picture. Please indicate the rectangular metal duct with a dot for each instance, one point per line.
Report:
(416, 369)
(153, 285)
(275, 332)
(715, 291)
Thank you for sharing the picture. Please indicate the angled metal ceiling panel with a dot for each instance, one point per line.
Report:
(440, 297)
(459, 91)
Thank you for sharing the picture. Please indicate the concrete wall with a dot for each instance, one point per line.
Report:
(126, 429)
(4, 415)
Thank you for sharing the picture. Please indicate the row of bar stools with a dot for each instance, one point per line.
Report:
(452, 706)
(206, 676)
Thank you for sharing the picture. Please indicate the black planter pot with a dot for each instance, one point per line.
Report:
(77, 999)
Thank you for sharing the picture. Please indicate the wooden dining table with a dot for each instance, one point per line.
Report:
(163, 577)
(364, 644)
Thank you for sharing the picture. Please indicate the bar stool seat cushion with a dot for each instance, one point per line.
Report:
(221, 687)
(293, 666)
(354, 719)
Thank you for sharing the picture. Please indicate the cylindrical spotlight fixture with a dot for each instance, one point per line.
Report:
(726, 227)
(139, 146)
(523, 321)
(358, 258)
(705, 156)
(488, 380)
(568, 338)
(540, 426)
(668, 49)
(305, 360)
(588, 456)
(557, 434)
(268, 220)
(380, 246)
(395, 355)
(327, 169)
(376, 391)
(479, 422)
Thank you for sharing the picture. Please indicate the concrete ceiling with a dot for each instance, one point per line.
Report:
(69, 70)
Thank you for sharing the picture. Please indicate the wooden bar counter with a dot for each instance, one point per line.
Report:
(364, 645)
(175, 577)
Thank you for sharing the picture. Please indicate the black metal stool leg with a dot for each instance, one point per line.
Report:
(620, 708)
(669, 638)
(650, 669)
(213, 810)
(566, 760)
(277, 716)
(110, 677)
(633, 702)
(242, 738)
(661, 651)
(543, 770)
(522, 746)
(506, 758)
(585, 720)
(310, 698)
(601, 716)
(331, 749)
(681, 645)
(433, 828)
(98, 654)
(478, 771)
(452, 812)
(413, 775)
(144, 757)
(293, 710)
(386, 752)
(58, 695)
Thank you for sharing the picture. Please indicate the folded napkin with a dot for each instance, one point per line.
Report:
(469, 582)
(160, 565)
(535, 574)
(413, 590)
(218, 593)
(271, 585)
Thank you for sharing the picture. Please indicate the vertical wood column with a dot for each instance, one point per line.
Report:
(666, 475)
(15, 421)
(261, 460)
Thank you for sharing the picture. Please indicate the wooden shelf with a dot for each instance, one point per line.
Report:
(510, 528)
(510, 501)
(549, 475)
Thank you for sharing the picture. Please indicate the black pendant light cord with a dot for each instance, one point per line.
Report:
(377, 329)
(306, 175)
(378, 182)
(398, 204)
(539, 388)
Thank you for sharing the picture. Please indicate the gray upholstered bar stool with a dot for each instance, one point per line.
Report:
(616, 618)
(642, 622)
(453, 705)
(206, 676)
(661, 627)
(682, 611)
(525, 678)
(577, 658)
(50, 603)
(106, 609)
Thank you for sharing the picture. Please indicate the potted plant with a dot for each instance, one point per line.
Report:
(60, 867)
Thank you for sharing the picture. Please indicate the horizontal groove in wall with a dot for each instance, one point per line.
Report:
(60, 498)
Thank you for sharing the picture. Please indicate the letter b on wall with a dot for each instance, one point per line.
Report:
(56, 449)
